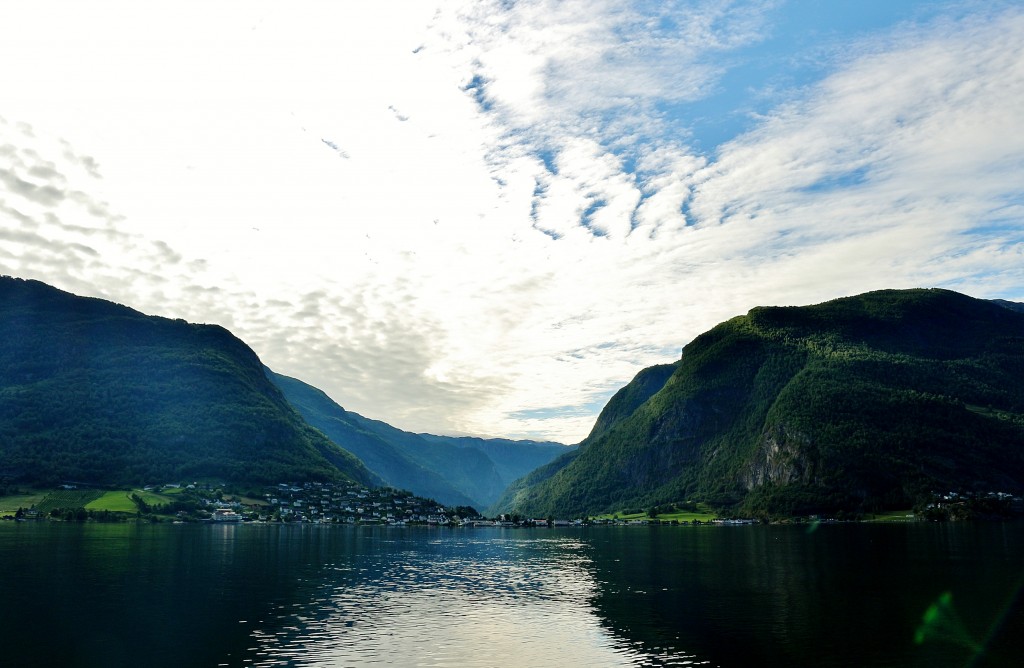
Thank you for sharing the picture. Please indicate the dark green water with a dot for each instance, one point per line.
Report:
(189, 595)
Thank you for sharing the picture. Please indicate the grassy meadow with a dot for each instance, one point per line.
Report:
(891, 516)
(10, 504)
(120, 501)
(115, 501)
(702, 514)
(68, 498)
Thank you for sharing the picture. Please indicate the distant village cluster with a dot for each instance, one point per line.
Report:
(344, 504)
(319, 503)
(327, 503)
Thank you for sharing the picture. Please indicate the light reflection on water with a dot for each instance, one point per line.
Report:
(464, 599)
(847, 596)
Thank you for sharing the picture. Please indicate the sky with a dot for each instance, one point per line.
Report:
(485, 217)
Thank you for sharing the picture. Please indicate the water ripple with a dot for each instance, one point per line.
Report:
(460, 600)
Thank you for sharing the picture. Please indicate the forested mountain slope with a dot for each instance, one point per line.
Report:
(859, 403)
(95, 392)
(378, 452)
(622, 404)
(452, 470)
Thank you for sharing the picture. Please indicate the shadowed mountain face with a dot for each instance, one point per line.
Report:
(454, 471)
(95, 392)
(858, 404)
(360, 437)
(509, 460)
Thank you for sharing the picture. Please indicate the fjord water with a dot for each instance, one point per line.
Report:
(911, 594)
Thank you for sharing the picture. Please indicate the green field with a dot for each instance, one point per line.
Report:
(120, 501)
(702, 514)
(68, 499)
(45, 500)
(251, 501)
(152, 498)
(891, 516)
(10, 504)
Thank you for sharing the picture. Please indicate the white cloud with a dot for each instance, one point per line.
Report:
(543, 61)
(916, 142)
(479, 217)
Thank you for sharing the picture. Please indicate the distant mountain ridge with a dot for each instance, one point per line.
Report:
(856, 404)
(511, 459)
(96, 392)
(1013, 306)
(393, 466)
(454, 471)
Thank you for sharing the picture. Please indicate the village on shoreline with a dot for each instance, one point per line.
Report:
(351, 504)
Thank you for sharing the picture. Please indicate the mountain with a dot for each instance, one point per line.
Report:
(454, 471)
(625, 402)
(622, 404)
(362, 438)
(509, 460)
(856, 404)
(95, 392)
(1013, 306)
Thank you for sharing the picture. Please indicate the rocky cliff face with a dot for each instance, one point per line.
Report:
(781, 458)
